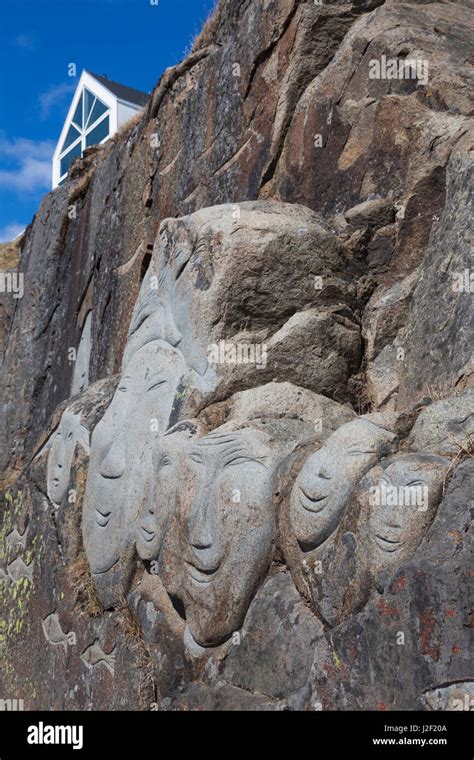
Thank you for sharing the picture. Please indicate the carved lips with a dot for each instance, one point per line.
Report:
(322, 487)
(120, 477)
(225, 488)
(312, 503)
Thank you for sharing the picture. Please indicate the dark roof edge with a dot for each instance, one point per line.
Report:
(129, 94)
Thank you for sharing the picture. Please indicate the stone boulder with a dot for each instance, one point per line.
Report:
(445, 427)
(251, 293)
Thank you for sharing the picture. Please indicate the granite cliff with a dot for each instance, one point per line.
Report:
(238, 413)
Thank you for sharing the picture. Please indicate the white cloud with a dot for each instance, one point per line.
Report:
(10, 231)
(54, 96)
(24, 41)
(31, 170)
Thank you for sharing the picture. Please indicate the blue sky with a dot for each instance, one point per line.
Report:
(129, 41)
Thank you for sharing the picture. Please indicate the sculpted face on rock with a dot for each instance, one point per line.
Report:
(403, 503)
(152, 319)
(227, 527)
(155, 314)
(61, 453)
(121, 469)
(156, 513)
(325, 481)
(160, 509)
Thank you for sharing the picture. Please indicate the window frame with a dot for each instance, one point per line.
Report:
(65, 153)
(94, 126)
(84, 131)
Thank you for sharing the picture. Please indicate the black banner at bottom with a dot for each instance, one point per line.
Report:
(91, 734)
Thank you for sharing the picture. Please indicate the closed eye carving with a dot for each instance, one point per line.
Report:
(156, 385)
(196, 457)
(238, 460)
(146, 309)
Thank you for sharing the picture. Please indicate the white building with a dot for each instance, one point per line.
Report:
(98, 109)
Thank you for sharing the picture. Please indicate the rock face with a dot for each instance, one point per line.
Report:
(237, 387)
(248, 275)
(438, 333)
(445, 427)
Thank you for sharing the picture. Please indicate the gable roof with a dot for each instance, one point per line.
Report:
(121, 91)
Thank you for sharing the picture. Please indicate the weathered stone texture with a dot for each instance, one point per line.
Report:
(187, 527)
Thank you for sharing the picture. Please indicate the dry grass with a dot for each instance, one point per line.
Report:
(433, 393)
(466, 451)
(137, 644)
(81, 186)
(364, 405)
(208, 31)
(439, 394)
(88, 163)
(359, 393)
(81, 579)
(126, 129)
(9, 255)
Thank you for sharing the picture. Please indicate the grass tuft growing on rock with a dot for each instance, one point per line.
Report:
(208, 31)
(138, 646)
(127, 128)
(81, 579)
(465, 451)
(9, 256)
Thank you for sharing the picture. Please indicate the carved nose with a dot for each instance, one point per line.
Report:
(113, 464)
(200, 536)
(200, 529)
(173, 335)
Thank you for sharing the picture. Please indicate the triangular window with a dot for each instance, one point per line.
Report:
(69, 158)
(77, 118)
(90, 125)
(99, 133)
(98, 110)
(89, 99)
(71, 136)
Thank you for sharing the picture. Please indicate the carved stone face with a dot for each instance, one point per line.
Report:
(403, 502)
(121, 469)
(61, 453)
(227, 526)
(152, 320)
(159, 510)
(325, 481)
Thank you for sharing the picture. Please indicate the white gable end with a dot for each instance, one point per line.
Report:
(95, 114)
